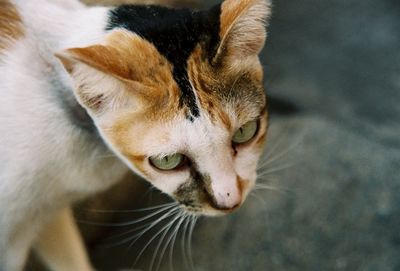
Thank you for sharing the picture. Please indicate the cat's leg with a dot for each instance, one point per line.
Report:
(14, 256)
(60, 245)
(14, 248)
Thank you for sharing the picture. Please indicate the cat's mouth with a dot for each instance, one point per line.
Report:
(207, 209)
(199, 201)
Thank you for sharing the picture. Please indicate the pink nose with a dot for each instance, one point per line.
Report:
(227, 200)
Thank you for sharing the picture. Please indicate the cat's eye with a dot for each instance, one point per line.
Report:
(246, 132)
(168, 162)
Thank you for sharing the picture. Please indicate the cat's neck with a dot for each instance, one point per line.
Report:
(61, 28)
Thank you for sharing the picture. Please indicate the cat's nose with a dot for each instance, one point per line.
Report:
(228, 199)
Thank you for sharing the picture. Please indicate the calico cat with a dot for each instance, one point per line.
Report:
(174, 95)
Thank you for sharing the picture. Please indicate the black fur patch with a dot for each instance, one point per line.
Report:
(175, 33)
(196, 191)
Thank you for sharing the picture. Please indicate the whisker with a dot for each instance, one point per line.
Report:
(133, 210)
(191, 228)
(253, 194)
(183, 243)
(282, 154)
(276, 169)
(145, 228)
(276, 158)
(128, 232)
(167, 226)
(167, 243)
(153, 259)
(170, 213)
(176, 232)
(271, 188)
(130, 223)
(271, 151)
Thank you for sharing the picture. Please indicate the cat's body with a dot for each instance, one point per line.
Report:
(55, 146)
(44, 148)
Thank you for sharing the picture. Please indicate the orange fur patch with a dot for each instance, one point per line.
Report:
(208, 87)
(214, 86)
(242, 29)
(230, 12)
(122, 130)
(148, 67)
(261, 140)
(143, 71)
(260, 143)
(138, 161)
(241, 184)
(11, 27)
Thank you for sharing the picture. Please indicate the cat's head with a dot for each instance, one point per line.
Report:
(178, 95)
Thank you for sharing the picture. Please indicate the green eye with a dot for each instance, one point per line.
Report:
(168, 162)
(246, 132)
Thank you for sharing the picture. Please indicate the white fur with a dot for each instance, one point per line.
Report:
(45, 162)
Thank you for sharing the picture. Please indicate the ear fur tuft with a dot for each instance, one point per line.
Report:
(103, 58)
(242, 28)
(96, 89)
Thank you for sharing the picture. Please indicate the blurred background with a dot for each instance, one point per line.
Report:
(329, 194)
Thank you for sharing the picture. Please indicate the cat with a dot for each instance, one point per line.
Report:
(87, 94)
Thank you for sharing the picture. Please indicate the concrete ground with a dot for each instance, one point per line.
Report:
(333, 78)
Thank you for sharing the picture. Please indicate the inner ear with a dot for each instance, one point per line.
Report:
(242, 28)
(123, 69)
(100, 80)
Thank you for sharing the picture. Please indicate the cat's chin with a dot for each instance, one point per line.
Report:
(208, 211)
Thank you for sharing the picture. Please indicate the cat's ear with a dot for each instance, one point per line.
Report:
(242, 28)
(100, 77)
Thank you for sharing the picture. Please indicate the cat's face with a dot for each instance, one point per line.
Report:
(183, 105)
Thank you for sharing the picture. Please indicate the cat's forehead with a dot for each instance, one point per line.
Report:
(186, 40)
(174, 33)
